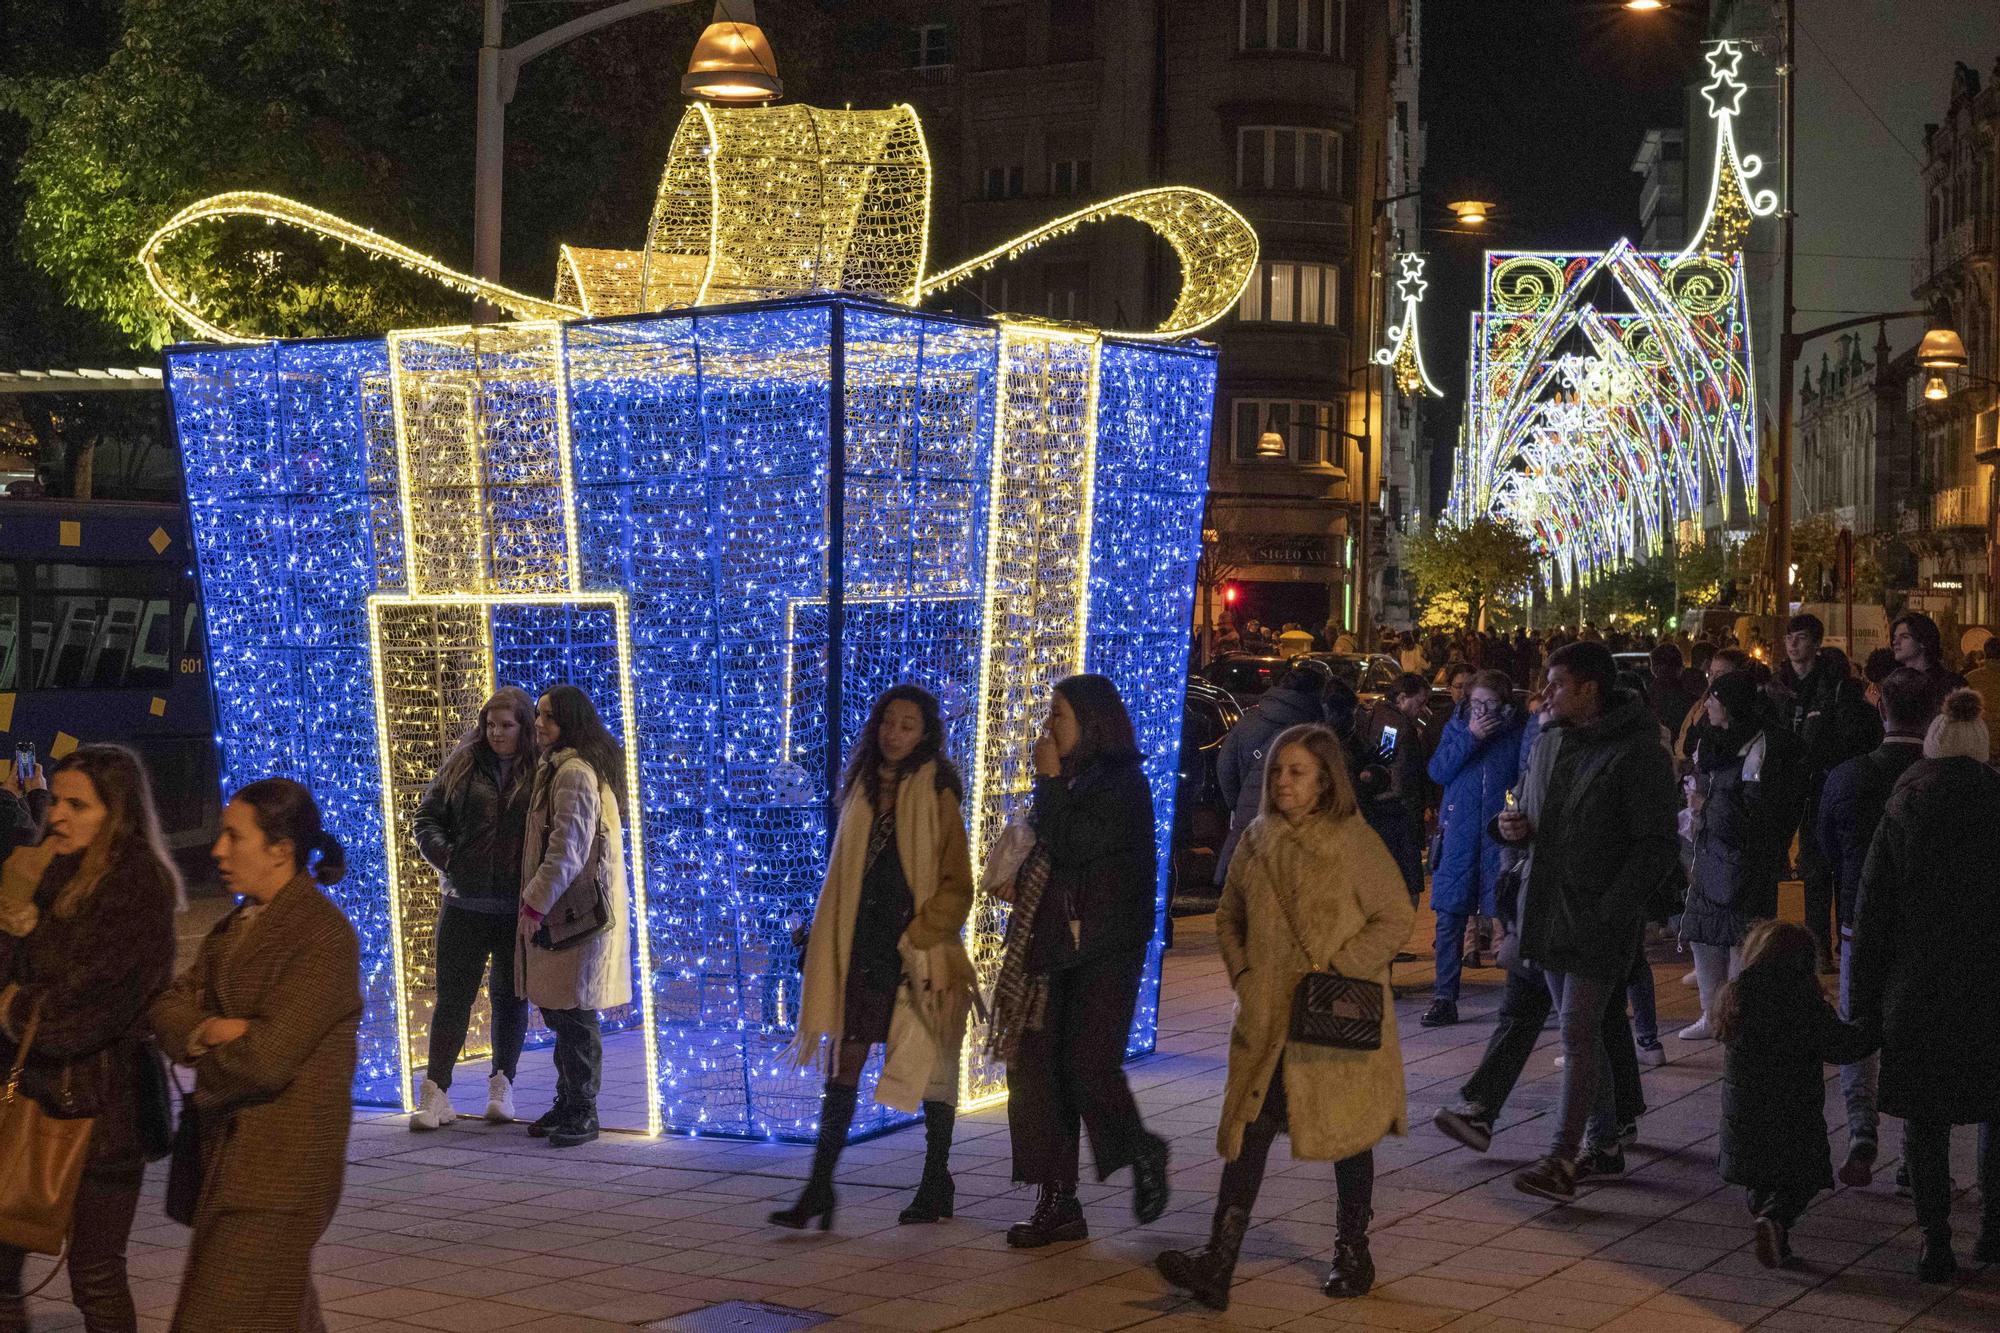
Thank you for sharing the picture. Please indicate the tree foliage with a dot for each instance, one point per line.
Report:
(1471, 563)
(362, 107)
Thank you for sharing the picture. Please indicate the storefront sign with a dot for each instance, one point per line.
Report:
(1302, 550)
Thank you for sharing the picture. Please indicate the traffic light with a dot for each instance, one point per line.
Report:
(1229, 594)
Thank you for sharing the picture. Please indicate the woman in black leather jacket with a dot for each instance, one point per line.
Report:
(1086, 954)
(470, 827)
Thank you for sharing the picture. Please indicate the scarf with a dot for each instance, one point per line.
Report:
(1020, 998)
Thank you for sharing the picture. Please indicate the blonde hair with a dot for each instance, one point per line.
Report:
(1336, 797)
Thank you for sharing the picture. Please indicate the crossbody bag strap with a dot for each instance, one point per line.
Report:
(1285, 910)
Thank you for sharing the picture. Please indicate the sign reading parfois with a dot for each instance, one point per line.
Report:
(733, 485)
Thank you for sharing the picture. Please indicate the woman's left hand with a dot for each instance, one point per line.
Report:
(18, 919)
(1048, 759)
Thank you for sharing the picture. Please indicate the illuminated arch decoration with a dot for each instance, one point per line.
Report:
(1609, 393)
(733, 525)
(764, 202)
(1405, 354)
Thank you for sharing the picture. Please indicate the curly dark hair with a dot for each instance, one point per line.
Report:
(864, 765)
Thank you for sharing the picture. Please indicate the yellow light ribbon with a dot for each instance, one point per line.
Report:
(766, 202)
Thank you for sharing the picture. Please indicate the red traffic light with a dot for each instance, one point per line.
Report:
(1229, 594)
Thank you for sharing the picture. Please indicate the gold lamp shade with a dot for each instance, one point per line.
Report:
(1942, 349)
(733, 62)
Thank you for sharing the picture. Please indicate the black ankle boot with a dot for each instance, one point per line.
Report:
(1353, 1271)
(935, 1192)
(1936, 1262)
(1150, 1188)
(836, 1113)
(1205, 1273)
(1057, 1216)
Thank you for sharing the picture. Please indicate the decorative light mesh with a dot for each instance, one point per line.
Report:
(649, 508)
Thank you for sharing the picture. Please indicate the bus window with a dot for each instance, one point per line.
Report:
(101, 627)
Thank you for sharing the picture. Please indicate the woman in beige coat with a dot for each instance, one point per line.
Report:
(884, 963)
(1310, 886)
(574, 831)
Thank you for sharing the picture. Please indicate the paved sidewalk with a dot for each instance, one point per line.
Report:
(480, 1228)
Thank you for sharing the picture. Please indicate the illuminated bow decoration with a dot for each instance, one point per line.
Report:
(768, 202)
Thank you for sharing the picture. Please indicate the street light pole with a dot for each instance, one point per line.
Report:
(1780, 540)
(499, 70)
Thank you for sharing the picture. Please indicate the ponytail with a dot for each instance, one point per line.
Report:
(331, 867)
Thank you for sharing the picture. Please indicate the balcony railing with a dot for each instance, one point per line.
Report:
(1957, 244)
(1958, 507)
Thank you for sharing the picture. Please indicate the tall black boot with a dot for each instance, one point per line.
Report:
(935, 1193)
(1353, 1271)
(836, 1113)
(1206, 1273)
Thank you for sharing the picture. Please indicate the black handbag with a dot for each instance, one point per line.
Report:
(184, 1164)
(583, 912)
(1331, 1010)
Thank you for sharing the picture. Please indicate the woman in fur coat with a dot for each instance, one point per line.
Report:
(884, 963)
(1311, 887)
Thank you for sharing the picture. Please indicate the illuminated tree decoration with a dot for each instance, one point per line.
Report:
(1598, 425)
(1405, 354)
(733, 525)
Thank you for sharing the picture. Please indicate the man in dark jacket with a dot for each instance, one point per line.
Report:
(1917, 644)
(1239, 769)
(1668, 694)
(1825, 709)
(1599, 826)
(1850, 808)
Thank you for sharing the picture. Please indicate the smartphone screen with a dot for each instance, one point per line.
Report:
(1388, 748)
(24, 762)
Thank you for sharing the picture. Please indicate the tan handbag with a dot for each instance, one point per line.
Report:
(41, 1162)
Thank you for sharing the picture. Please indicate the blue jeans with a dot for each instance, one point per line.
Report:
(1450, 954)
(1645, 1008)
(1860, 1080)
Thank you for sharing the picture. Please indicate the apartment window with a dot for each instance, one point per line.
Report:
(1067, 286)
(1069, 175)
(1273, 430)
(1003, 35)
(1315, 26)
(931, 45)
(1072, 29)
(1286, 157)
(1292, 294)
(1005, 181)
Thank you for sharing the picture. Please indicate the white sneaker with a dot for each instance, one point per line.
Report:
(1697, 1030)
(433, 1108)
(1560, 1061)
(1690, 980)
(499, 1099)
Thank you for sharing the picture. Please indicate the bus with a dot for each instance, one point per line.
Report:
(101, 640)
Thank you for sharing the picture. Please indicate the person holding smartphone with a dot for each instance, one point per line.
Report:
(1477, 761)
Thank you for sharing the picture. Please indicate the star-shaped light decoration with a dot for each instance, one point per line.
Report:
(1725, 96)
(1724, 59)
(1403, 355)
(1413, 284)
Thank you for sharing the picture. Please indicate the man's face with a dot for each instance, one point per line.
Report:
(1412, 705)
(1801, 647)
(1457, 685)
(1566, 699)
(1909, 651)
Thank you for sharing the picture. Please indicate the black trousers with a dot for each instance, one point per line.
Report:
(469, 946)
(1524, 1007)
(1819, 904)
(97, 1281)
(1782, 1206)
(579, 1055)
(1927, 1150)
(1243, 1177)
(1072, 1072)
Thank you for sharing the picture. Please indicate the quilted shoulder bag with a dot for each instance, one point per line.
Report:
(42, 1163)
(1328, 1009)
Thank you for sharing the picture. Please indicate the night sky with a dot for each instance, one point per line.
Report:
(1540, 105)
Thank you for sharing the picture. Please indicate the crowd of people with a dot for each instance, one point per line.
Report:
(1574, 813)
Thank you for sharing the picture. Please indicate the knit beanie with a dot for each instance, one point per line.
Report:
(1959, 730)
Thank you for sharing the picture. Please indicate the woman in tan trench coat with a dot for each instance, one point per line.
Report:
(1310, 885)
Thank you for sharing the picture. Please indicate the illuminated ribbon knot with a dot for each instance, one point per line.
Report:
(769, 202)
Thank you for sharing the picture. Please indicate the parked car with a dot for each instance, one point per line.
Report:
(1244, 676)
(1201, 816)
(1642, 663)
(1370, 674)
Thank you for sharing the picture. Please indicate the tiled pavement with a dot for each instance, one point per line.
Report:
(480, 1228)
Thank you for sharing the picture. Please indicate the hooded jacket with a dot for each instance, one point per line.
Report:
(1239, 769)
(1475, 775)
(1602, 816)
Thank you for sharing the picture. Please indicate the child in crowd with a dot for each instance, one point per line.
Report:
(1778, 1032)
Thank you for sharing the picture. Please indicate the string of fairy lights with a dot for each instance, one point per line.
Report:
(389, 527)
(1611, 395)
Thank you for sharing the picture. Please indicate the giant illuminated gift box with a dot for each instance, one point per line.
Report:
(728, 523)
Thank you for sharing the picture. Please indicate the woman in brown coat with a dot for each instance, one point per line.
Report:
(87, 938)
(1311, 886)
(267, 1016)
